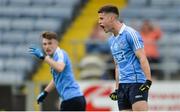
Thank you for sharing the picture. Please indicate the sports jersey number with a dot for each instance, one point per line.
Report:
(119, 57)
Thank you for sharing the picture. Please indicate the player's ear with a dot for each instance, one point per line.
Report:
(112, 17)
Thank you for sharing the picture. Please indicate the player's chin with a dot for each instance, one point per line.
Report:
(106, 31)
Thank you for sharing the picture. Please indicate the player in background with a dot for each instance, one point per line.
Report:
(132, 71)
(61, 70)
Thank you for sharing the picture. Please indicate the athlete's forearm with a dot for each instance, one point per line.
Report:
(58, 66)
(145, 66)
(144, 63)
(50, 86)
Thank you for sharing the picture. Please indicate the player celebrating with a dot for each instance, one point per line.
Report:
(63, 79)
(133, 77)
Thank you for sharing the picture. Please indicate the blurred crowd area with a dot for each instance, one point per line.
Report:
(158, 23)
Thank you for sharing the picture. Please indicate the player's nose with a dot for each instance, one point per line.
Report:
(99, 22)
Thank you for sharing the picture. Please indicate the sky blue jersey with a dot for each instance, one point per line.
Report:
(64, 81)
(123, 48)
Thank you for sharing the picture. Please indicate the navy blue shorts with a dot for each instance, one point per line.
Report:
(128, 94)
(74, 104)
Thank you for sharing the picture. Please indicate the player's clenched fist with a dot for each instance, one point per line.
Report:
(41, 97)
(114, 95)
(146, 86)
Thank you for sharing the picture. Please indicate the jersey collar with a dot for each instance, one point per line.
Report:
(121, 30)
(58, 48)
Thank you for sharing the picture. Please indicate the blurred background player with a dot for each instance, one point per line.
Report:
(133, 76)
(151, 35)
(63, 77)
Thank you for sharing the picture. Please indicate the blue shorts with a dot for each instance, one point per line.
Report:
(128, 94)
(74, 104)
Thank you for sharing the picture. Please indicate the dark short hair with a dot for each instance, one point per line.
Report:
(109, 9)
(49, 35)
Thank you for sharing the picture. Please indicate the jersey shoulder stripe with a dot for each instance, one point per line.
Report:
(134, 37)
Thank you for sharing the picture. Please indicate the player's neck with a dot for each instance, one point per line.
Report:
(117, 26)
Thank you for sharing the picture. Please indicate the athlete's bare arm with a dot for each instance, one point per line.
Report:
(144, 62)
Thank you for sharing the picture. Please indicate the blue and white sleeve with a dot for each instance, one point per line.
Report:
(135, 40)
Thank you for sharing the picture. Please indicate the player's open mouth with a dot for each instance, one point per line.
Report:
(48, 51)
(102, 26)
